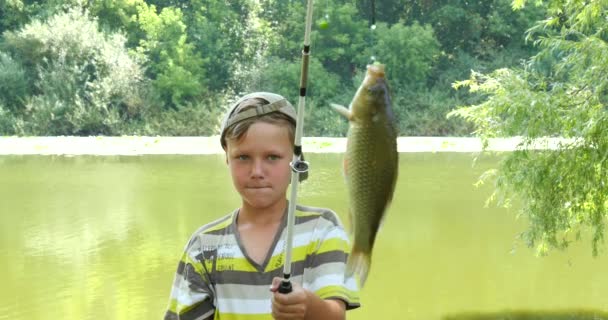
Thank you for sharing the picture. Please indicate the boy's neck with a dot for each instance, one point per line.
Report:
(262, 216)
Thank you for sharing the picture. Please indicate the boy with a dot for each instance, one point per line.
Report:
(228, 264)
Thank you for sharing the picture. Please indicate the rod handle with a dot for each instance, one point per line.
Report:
(285, 287)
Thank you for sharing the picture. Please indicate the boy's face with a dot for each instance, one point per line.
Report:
(259, 164)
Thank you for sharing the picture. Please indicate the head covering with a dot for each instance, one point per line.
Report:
(274, 103)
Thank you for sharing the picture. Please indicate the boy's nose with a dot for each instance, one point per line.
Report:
(257, 169)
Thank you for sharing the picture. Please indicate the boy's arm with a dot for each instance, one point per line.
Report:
(191, 293)
(324, 309)
(304, 304)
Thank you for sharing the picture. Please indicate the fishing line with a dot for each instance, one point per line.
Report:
(324, 22)
(372, 28)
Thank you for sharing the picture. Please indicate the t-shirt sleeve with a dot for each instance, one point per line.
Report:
(326, 271)
(192, 293)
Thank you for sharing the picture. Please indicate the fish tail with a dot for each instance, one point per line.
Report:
(358, 262)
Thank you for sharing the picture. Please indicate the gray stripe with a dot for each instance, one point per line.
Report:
(310, 209)
(304, 219)
(332, 217)
(256, 278)
(265, 278)
(243, 292)
(196, 281)
(225, 230)
(317, 260)
(170, 316)
(180, 268)
(204, 310)
(349, 305)
(325, 213)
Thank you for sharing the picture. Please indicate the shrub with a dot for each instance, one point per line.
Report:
(85, 81)
(194, 119)
(13, 83)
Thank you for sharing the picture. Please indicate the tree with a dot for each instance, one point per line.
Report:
(560, 92)
(227, 34)
(84, 81)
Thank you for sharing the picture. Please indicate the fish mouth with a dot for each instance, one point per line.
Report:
(376, 70)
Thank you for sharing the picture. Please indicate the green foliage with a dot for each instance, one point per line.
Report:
(409, 53)
(13, 83)
(193, 50)
(422, 113)
(228, 34)
(7, 122)
(288, 22)
(176, 70)
(340, 47)
(11, 14)
(457, 27)
(85, 81)
(560, 93)
(201, 119)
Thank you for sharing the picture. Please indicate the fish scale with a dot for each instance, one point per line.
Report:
(370, 165)
(372, 170)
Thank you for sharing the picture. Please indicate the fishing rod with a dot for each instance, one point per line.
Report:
(298, 165)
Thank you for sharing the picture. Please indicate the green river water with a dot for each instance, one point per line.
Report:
(91, 237)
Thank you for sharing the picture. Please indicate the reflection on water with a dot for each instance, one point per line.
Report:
(99, 237)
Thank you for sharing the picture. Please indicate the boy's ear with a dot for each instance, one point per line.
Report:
(226, 154)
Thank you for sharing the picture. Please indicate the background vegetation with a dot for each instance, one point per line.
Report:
(561, 91)
(100, 67)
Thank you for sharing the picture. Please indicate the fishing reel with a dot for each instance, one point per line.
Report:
(299, 166)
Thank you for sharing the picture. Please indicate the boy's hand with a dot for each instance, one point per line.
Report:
(288, 306)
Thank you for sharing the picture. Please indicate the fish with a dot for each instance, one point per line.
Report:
(370, 165)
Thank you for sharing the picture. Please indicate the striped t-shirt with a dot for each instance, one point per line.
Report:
(216, 279)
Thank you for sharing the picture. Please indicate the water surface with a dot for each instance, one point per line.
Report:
(99, 237)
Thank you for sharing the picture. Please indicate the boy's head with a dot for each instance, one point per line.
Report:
(257, 135)
(258, 106)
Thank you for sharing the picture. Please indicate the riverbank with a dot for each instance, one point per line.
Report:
(133, 145)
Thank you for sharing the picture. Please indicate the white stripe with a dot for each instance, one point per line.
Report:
(332, 280)
(206, 315)
(187, 297)
(338, 233)
(232, 250)
(245, 306)
(299, 240)
(304, 239)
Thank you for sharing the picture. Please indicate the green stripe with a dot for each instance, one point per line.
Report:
(338, 291)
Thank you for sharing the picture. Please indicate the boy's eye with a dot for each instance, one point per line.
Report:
(273, 157)
(242, 157)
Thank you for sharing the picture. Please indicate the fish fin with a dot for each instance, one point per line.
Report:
(345, 167)
(358, 262)
(342, 110)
